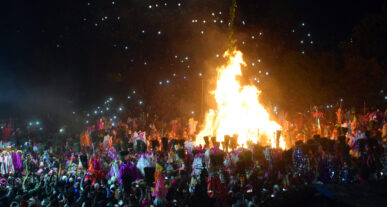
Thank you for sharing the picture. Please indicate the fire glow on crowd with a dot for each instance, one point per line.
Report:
(239, 155)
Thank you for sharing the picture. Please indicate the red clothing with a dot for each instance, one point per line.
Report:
(6, 132)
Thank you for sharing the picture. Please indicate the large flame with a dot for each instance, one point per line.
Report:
(238, 109)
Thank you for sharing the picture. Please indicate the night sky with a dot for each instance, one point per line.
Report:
(63, 56)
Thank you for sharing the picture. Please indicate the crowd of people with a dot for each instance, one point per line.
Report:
(151, 164)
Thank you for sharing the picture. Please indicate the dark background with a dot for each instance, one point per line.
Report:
(53, 62)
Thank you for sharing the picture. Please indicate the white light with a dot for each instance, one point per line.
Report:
(179, 4)
(37, 123)
(308, 34)
(217, 55)
(204, 21)
(202, 32)
(220, 12)
(200, 74)
(40, 128)
(101, 111)
(260, 33)
(113, 2)
(73, 112)
(57, 45)
(185, 77)
(61, 130)
(95, 112)
(129, 97)
(30, 123)
(253, 64)
(88, 114)
(165, 4)
(303, 24)
(120, 109)
(243, 22)
(311, 42)
(84, 19)
(167, 81)
(255, 78)
(107, 108)
(113, 124)
(385, 97)
(293, 30)
(259, 60)
(192, 112)
(114, 117)
(214, 20)
(126, 47)
(341, 100)
(110, 99)
(252, 37)
(213, 14)
(87, 121)
(260, 71)
(221, 21)
(243, 42)
(150, 6)
(88, 4)
(106, 17)
(156, 5)
(134, 92)
(267, 73)
(302, 41)
(193, 21)
(381, 91)
(140, 102)
(145, 63)
(302, 52)
(160, 83)
(186, 57)
(175, 56)
(174, 75)
(143, 31)
(159, 32)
